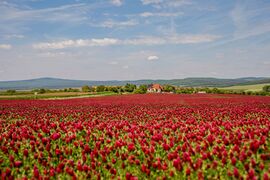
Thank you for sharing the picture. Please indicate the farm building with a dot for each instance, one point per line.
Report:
(154, 88)
(201, 92)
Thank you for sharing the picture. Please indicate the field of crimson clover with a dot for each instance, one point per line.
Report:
(151, 136)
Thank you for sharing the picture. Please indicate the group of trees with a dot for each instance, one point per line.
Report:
(102, 88)
(11, 91)
(190, 90)
(42, 90)
(266, 88)
(130, 88)
(169, 88)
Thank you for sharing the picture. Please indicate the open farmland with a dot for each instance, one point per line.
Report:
(52, 95)
(253, 87)
(136, 137)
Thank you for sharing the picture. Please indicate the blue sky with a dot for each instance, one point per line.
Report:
(134, 39)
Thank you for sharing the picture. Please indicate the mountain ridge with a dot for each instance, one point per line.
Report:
(57, 83)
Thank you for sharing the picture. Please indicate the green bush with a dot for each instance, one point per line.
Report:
(266, 88)
(11, 91)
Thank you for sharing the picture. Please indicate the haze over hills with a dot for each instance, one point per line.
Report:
(56, 83)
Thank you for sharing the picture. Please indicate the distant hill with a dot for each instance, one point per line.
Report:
(252, 87)
(55, 83)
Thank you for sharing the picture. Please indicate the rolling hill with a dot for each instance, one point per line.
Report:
(252, 87)
(56, 83)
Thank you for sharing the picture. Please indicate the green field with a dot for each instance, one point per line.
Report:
(254, 88)
(55, 95)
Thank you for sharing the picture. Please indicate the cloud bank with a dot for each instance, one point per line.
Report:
(152, 58)
(5, 46)
(146, 40)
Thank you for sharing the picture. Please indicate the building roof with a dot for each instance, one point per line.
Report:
(155, 86)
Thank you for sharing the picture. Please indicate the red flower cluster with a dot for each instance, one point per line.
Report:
(151, 136)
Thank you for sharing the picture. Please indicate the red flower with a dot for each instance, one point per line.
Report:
(236, 172)
(131, 147)
(25, 152)
(166, 147)
(55, 136)
(251, 173)
(128, 176)
(265, 176)
(113, 171)
(177, 164)
(233, 160)
(36, 172)
(188, 171)
(18, 163)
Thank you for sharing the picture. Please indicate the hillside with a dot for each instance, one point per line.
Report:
(188, 82)
(254, 87)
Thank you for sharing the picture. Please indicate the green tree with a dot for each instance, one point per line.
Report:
(266, 88)
(168, 88)
(113, 89)
(129, 87)
(11, 91)
(185, 90)
(92, 89)
(41, 91)
(85, 88)
(141, 90)
(100, 88)
(215, 91)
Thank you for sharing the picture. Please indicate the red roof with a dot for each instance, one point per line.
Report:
(156, 86)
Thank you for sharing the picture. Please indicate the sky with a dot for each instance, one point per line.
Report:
(134, 39)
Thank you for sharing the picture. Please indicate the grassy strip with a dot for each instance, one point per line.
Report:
(56, 95)
(256, 87)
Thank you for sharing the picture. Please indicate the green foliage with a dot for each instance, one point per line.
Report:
(185, 91)
(266, 88)
(42, 91)
(129, 87)
(11, 91)
(115, 89)
(100, 88)
(85, 88)
(71, 90)
(141, 90)
(168, 88)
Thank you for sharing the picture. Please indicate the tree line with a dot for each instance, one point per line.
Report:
(141, 89)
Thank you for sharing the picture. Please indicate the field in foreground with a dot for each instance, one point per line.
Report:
(137, 137)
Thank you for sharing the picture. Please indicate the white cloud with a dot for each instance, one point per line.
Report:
(145, 40)
(13, 36)
(112, 23)
(146, 2)
(166, 3)
(125, 67)
(76, 43)
(53, 54)
(163, 14)
(248, 19)
(66, 13)
(117, 2)
(174, 39)
(192, 39)
(113, 63)
(152, 58)
(5, 46)
(177, 3)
